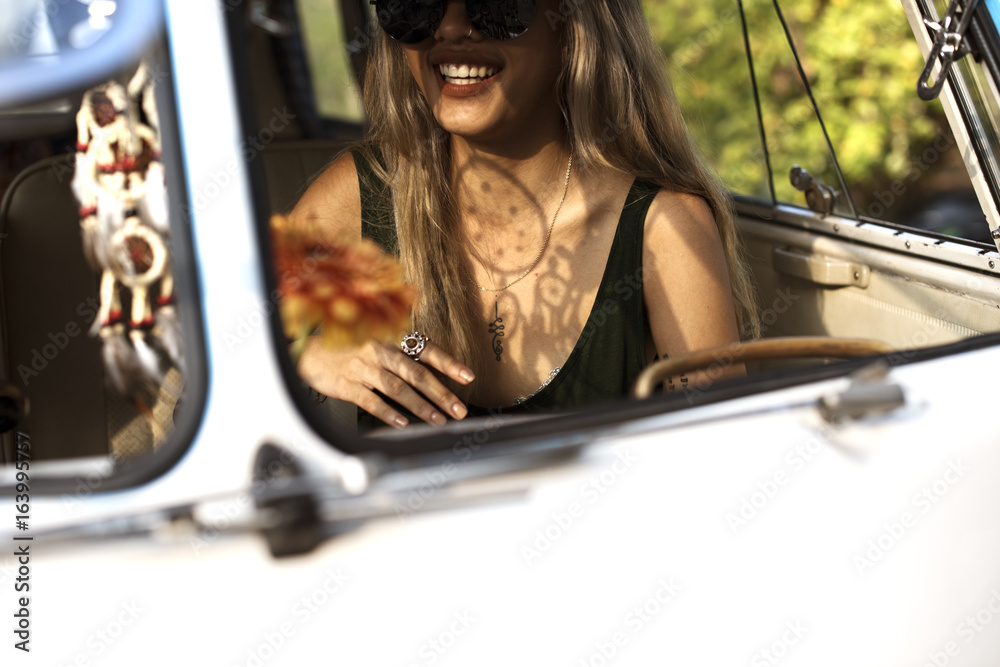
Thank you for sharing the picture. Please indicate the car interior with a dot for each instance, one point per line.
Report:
(818, 274)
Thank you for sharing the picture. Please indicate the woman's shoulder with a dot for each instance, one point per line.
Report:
(680, 222)
(334, 196)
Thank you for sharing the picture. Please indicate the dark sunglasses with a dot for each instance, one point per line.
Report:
(412, 21)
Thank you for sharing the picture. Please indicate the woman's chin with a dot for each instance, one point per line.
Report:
(471, 129)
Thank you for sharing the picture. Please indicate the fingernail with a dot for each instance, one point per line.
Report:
(459, 411)
(399, 422)
(438, 418)
(467, 375)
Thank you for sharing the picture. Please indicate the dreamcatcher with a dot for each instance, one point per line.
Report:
(120, 185)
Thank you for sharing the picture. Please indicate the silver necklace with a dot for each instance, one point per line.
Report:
(496, 327)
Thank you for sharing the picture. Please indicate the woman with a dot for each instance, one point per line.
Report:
(531, 166)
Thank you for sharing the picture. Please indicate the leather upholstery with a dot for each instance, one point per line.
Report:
(49, 296)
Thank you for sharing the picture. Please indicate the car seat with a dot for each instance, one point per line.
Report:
(48, 299)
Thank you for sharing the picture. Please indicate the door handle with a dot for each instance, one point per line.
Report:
(821, 270)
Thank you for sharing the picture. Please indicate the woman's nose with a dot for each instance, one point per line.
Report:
(455, 26)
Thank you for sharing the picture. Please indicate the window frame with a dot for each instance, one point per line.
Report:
(63, 476)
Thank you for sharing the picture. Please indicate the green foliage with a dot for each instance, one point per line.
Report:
(337, 93)
(861, 61)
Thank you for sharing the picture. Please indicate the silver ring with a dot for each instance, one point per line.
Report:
(470, 32)
(413, 344)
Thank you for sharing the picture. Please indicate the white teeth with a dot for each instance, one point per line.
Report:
(465, 73)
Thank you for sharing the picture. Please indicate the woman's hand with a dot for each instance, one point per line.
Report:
(354, 374)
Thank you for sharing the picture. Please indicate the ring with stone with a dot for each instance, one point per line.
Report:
(413, 344)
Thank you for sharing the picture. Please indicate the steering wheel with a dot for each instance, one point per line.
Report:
(790, 347)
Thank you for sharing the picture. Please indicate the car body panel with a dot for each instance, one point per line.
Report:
(874, 538)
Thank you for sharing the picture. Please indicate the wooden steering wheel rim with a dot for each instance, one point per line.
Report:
(789, 347)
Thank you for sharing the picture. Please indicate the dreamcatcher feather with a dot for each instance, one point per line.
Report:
(120, 185)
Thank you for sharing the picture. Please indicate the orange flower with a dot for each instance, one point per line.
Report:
(350, 289)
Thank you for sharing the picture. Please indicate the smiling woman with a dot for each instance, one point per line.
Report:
(526, 226)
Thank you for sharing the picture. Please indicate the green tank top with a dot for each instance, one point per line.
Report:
(611, 350)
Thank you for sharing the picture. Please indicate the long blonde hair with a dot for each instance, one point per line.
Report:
(620, 111)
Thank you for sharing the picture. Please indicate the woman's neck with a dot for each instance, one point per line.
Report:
(494, 188)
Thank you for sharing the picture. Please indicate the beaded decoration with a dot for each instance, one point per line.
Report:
(120, 185)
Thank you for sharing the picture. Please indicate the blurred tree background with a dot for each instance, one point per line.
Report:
(336, 89)
(862, 63)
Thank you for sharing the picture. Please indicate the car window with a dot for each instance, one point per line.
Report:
(975, 79)
(899, 163)
(335, 86)
(704, 47)
(899, 159)
(100, 354)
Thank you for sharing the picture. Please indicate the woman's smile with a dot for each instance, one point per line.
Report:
(465, 79)
(466, 74)
(490, 90)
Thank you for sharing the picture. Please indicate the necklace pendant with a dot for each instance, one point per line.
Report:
(496, 328)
